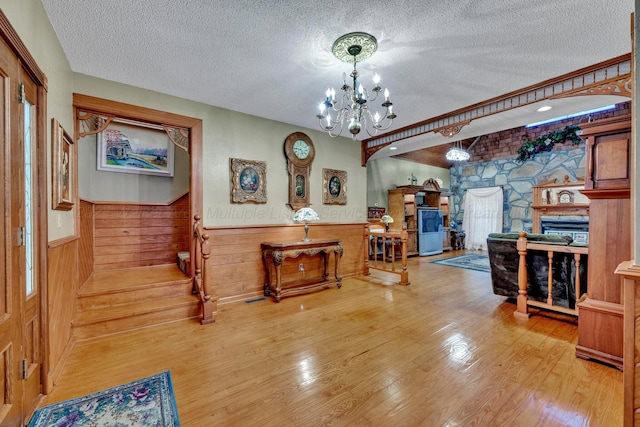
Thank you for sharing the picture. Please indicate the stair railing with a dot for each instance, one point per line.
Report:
(200, 278)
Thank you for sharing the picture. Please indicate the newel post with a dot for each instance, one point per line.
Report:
(404, 275)
(521, 245)
(366, 249)
(201, 274)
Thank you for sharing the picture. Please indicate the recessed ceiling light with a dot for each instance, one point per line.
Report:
(393, 148)
(581, 113)
(544, 108)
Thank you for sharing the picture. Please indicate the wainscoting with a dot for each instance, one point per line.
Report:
(62, 285)
(136, 235)
(235, 267)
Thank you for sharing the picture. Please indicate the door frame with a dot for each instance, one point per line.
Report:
(101, 106)
(29, 66)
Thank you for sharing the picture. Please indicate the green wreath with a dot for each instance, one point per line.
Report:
(546, 142)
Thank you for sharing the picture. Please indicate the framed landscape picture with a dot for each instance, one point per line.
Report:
(133, 147)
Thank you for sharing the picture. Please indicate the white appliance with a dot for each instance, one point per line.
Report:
(430, 233)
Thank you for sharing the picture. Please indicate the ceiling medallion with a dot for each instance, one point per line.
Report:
(358, 46)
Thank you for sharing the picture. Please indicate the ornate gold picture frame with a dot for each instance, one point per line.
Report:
(248, 181)
(334, 187)
(62, 171)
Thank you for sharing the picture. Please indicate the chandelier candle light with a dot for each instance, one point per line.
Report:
(355, 47)
(306, 215)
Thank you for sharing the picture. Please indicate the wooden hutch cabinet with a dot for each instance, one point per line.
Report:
(403, 208)
(607, 185)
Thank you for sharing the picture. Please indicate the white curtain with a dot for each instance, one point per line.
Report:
(482, 215)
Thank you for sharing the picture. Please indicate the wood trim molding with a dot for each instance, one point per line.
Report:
(132, 112)
(169, 203)
(62, 241)
(245, 227)
(149, 115)
(602, 78)
(9, 34)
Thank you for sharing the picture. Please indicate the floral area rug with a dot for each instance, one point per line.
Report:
(478, 262)
(145, 402)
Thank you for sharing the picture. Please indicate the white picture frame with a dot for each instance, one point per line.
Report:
(137, 148)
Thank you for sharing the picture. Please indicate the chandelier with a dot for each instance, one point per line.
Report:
(457, 153)
(353, 108)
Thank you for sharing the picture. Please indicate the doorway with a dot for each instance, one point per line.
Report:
(22, 117)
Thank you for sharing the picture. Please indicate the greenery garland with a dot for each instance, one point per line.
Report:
(546, 142)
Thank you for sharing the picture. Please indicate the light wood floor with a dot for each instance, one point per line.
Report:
(443, 351)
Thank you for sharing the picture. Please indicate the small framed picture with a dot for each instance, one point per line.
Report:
(63, 172)
(334, 187)
(375, 212)
(248, 181)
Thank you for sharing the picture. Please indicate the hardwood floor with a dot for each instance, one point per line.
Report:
(443, 351)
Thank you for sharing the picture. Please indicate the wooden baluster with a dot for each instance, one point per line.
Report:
(522, 306)
(404, 275)
(393, 253)
(367, 248)
(550, 279)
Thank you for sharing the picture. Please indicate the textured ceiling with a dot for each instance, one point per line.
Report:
(273, 58)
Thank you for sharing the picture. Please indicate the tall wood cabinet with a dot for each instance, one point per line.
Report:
(403, 204)
(607, 185)
(402, 208)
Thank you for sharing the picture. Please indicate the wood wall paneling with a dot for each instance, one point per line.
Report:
(85, 243)
(127, 235)
(236, 269)
(61, 306)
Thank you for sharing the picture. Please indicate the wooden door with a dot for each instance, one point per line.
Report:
(19, 307)
(25, 187)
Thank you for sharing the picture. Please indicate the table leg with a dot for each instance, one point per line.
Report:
(325, 258)
(267, 273)
(338, 258)
(277, 261)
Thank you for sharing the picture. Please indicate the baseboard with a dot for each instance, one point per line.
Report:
(51, 377)
(599, 356)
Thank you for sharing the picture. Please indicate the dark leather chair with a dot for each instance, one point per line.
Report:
(504, 260)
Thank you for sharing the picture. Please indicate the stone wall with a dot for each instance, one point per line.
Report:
(493, 164)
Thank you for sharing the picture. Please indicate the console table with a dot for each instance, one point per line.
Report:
(274, 255)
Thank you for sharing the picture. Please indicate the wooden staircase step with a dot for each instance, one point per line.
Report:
(123, 280)
(126, 317)
(109, 288)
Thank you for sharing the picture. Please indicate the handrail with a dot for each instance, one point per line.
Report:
(523, 302)
(200, 278)
(389, 241)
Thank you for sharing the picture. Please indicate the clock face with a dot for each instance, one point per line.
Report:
(301, 149)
